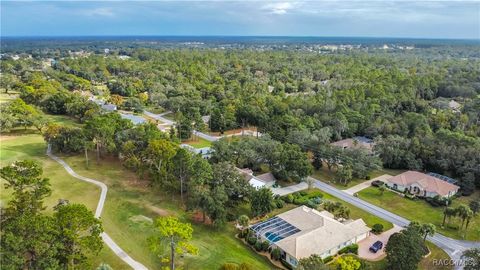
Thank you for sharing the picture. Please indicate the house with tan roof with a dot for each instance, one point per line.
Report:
(303, 231)
(422, 185)
(258, 181)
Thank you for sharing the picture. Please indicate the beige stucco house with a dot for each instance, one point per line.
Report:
(303, 231)
(422, 185)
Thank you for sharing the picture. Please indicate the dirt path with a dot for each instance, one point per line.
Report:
(98, 212)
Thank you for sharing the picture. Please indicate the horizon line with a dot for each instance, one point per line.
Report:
(233, 36)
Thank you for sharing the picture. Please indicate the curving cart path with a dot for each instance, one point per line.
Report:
(101, 202)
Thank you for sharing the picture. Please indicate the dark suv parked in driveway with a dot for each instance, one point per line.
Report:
(377, 183)
(376, 247)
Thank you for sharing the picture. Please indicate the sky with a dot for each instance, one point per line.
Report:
(414, 19)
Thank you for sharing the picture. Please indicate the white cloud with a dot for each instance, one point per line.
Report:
(104, 12)
(279, 8)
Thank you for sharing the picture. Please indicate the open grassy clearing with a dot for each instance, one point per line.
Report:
(420, 210)
(324, 175)
(198, 142)
(64, 186)
(128, 197)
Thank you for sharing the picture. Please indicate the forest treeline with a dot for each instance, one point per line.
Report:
(299, 98)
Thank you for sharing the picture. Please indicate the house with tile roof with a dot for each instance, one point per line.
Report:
(258, 181)
(422, 185)
(303, 231)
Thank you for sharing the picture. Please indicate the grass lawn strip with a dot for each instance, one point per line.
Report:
(421, 211)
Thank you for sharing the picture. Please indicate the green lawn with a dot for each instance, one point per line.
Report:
(436, 254)
(128, 197)
(63, 120)
(356, 212)
(198, 142)
(63, 185)
(419, 210)
(324, 175)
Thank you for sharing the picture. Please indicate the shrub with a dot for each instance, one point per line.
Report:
(315, 194)
(328, 259)
(265, 245)
(251, 240)
(229, 266)
(245, 266)
(349, 249)
(279, 204)
(275, 255)
(258, 246)
(296, 195)
(303, 193)
(438, 201)
(301, 201)
(288, 199)
(312, 204)
(367, 177)
(317, 200)
(377, 228)
(287, 265)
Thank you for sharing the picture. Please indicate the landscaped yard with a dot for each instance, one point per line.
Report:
(425, 264)
(324, 175)
(356, 212)
(420, 210)
(198, 142)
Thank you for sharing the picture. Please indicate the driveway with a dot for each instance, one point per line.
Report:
(366, 184)
(366, 243)
(290, 189)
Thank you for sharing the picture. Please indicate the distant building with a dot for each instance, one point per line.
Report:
(109, 107)
(136, 120)
(205, 152)
(355, 143)
(422, 185)
(258, 181)
(206, 119)
(303, 231)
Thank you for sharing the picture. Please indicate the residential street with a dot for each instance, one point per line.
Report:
(453, 247)
(171, 123)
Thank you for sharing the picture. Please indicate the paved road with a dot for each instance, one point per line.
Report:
(98, 212)
(171, 123)
(453, 247)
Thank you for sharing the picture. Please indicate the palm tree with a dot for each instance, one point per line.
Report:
(447, 214)
(382, 189)
(469, 216)
(243, 221)
(427, 229)
(462, 211)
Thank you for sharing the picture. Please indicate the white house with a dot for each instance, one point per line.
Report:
(422, 185)
(303, 231)
(258, 181)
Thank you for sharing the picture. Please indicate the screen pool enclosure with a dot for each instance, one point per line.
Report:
(274, 229)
